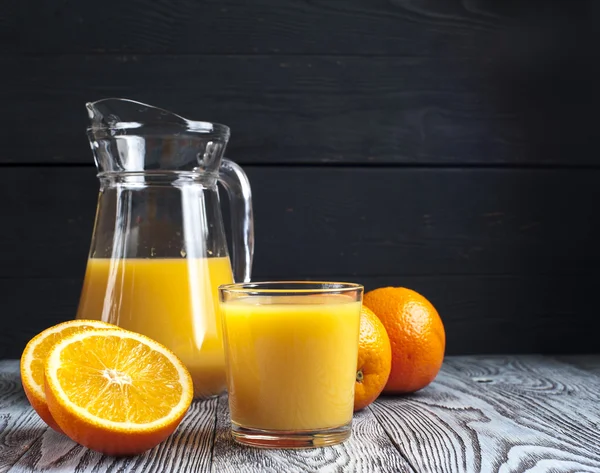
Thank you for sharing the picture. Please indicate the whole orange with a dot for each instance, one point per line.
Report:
(374, 360)
(416, 334)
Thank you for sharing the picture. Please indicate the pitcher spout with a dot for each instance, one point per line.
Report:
(130, 136)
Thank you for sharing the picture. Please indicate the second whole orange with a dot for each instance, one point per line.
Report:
(416, 334)
(374, 360)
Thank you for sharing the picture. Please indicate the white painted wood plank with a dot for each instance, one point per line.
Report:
(503, 414)
(188, 449)
(589, 363)
(11, 393)
(368, 450)
(482, 414)
(20, 426)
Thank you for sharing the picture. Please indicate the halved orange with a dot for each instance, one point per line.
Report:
(34, 357)
(116, 392)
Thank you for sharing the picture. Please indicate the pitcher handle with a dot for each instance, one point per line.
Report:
(237, 185)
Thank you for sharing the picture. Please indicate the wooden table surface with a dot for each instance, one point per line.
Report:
(482, 414)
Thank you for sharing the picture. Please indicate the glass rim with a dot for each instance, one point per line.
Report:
(194, 127)
(287, 287)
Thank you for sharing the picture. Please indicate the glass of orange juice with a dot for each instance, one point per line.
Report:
(291, 350)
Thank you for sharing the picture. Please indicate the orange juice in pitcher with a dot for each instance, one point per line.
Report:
(173, 301)
(159, 251)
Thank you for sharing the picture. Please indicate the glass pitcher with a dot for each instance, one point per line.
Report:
(158, 251)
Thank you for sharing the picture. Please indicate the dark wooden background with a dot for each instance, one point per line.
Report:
(447, 146)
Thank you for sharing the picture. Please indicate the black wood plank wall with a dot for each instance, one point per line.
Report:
(444, 145)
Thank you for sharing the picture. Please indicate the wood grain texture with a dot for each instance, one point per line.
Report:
(509, 414)
(503, 414)
(20, 430)
(187, 449)
(484, 29)
(20, 426)
(418, 110)
(265, 27)
(589, 363)
(510, 257)
(369, 450)
(11, 393)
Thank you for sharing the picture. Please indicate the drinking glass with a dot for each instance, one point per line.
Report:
(291, 352)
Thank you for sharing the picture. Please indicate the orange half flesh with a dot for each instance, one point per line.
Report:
(116, 392)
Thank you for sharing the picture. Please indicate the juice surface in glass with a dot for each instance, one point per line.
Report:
(291, 360)
(172, 300)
